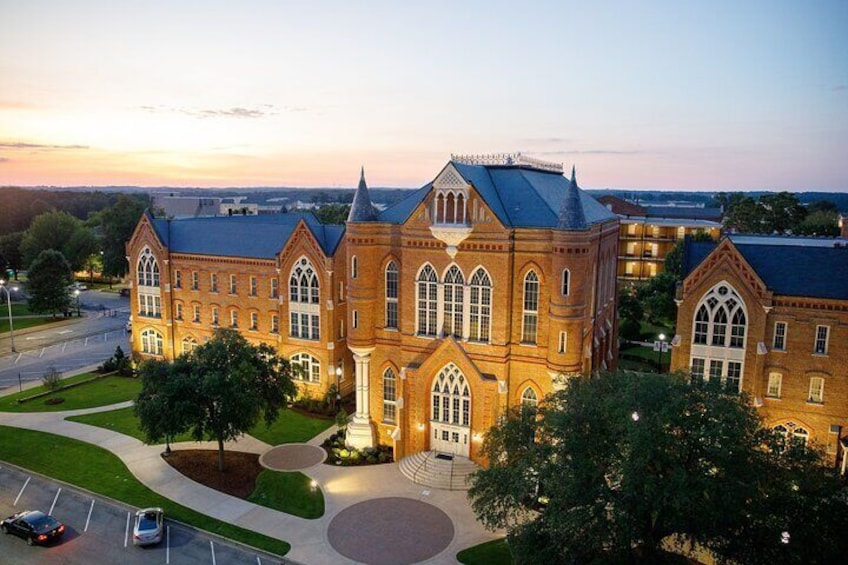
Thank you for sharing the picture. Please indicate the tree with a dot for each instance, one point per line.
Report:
(61, 232)
(165, 406)
(333, 213)
(612, 467)
(230, 384)
(116, 227)
(49, 278)
(10, 252)
(657, 297)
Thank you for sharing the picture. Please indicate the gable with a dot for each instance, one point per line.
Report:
(302, 242)
(725, 255)
(450, 179)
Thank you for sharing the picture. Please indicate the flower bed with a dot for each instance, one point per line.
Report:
(339, 454)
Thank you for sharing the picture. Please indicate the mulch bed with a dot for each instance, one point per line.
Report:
(201, 465)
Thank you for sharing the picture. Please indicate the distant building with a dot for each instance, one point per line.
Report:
(648, 233)
(769, 315)
(186, 206)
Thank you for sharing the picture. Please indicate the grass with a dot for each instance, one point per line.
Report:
(495, 552)
(18, 309)
(101, 392)
(645, 358)
(291, 427)
(24, 323)
(99, 471)
(288, 492)
(123, 421)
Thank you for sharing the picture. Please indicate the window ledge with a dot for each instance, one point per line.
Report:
(313, 383)
(819, 354)
(815, 403)
(528, 344)
(427, 336)
(767, 397)
(778, 350)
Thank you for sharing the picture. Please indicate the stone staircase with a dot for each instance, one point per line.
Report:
(438, 470)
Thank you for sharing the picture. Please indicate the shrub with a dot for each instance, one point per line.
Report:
(52, 379)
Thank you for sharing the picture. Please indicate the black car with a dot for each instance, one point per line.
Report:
(34, 526)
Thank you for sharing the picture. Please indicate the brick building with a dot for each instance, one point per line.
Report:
(769, 315)
(648, 233)
(480, 291)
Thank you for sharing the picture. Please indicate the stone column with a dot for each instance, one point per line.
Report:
(360, 434)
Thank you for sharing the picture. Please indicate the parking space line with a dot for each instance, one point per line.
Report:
(88, 519)
(127, 530)
(212, 546)
(55, 498)
(167, 544)
(15, 503)
(40, 355)
(258, 561)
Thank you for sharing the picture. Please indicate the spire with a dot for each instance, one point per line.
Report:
(361, 209)
(571, 216)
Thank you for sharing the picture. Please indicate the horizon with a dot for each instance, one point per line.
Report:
(692, 98)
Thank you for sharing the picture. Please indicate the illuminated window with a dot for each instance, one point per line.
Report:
(310, 368)
(453, 302)
(530, 308)
(822, 334)
(389, 396)
(480, 311)
(428, 298)
(151, 342)
(779, 343)
(774, 382)
(392, 295)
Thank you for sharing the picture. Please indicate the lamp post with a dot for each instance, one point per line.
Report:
(338, 386)
(659, 346)
(9, 302)
(77, 293)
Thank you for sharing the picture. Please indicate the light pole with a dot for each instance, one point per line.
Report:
(9, 302)
(76, 293)
(338, 386)
(660, 344)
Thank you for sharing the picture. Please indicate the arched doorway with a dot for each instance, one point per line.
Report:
(450, 412)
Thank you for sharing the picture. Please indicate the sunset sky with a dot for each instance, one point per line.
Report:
(665, 95)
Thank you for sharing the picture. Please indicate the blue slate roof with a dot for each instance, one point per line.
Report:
(259, 237)
(361, 209)
(790, 270)
(518, 196)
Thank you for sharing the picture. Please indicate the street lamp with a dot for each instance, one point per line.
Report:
(9, 302)
(76, 293)
(660, 344)
(338, 385)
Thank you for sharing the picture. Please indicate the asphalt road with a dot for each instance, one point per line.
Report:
(87, 341)
(100, 531)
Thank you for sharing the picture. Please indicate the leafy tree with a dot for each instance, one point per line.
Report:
(61, 232)
(49, 277)
(674, 258)
(333, 213)
(611, 467)
(10, 252)
(657, 297)
(116, 227)
(819, 222)
(230, 384)
(165, 406)
(743, 215)
(781, 212)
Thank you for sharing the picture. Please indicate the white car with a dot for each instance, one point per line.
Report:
(77, 286)
(128, 327)
(149, 526)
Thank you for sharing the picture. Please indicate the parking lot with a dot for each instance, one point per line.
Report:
(98, 531)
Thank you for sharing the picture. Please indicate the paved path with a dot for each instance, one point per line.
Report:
(342, 487)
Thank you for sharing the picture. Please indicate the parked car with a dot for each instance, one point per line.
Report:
(149, 526)
(124, 292)
(128, 327)
(34, 526)
(77, 286)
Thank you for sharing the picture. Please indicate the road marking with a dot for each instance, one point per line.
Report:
(167, 544)
(127, 531)
(65, 332)
(18, 358)
(258, 561)
(86, 342)
(87, 520)
(40, 355)
(64, 345)
(212, 546)
(55, 498)
(15, 503)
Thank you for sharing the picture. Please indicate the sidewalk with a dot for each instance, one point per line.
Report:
(342, 487)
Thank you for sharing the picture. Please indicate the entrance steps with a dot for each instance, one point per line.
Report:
(438, 470)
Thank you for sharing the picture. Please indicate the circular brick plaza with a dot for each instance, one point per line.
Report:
(390, 531)
(292, 457)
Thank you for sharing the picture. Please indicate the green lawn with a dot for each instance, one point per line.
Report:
(23, 323)
(97, 470)
(646, 358)
(101, 392)
(288, 492)
(18, 309)
(291, 427)
(495, 552)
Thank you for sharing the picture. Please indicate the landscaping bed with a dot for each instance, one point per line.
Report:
(243, 477)
(339, 454)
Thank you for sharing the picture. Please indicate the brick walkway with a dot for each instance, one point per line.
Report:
(390, 531)
(292, 457)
